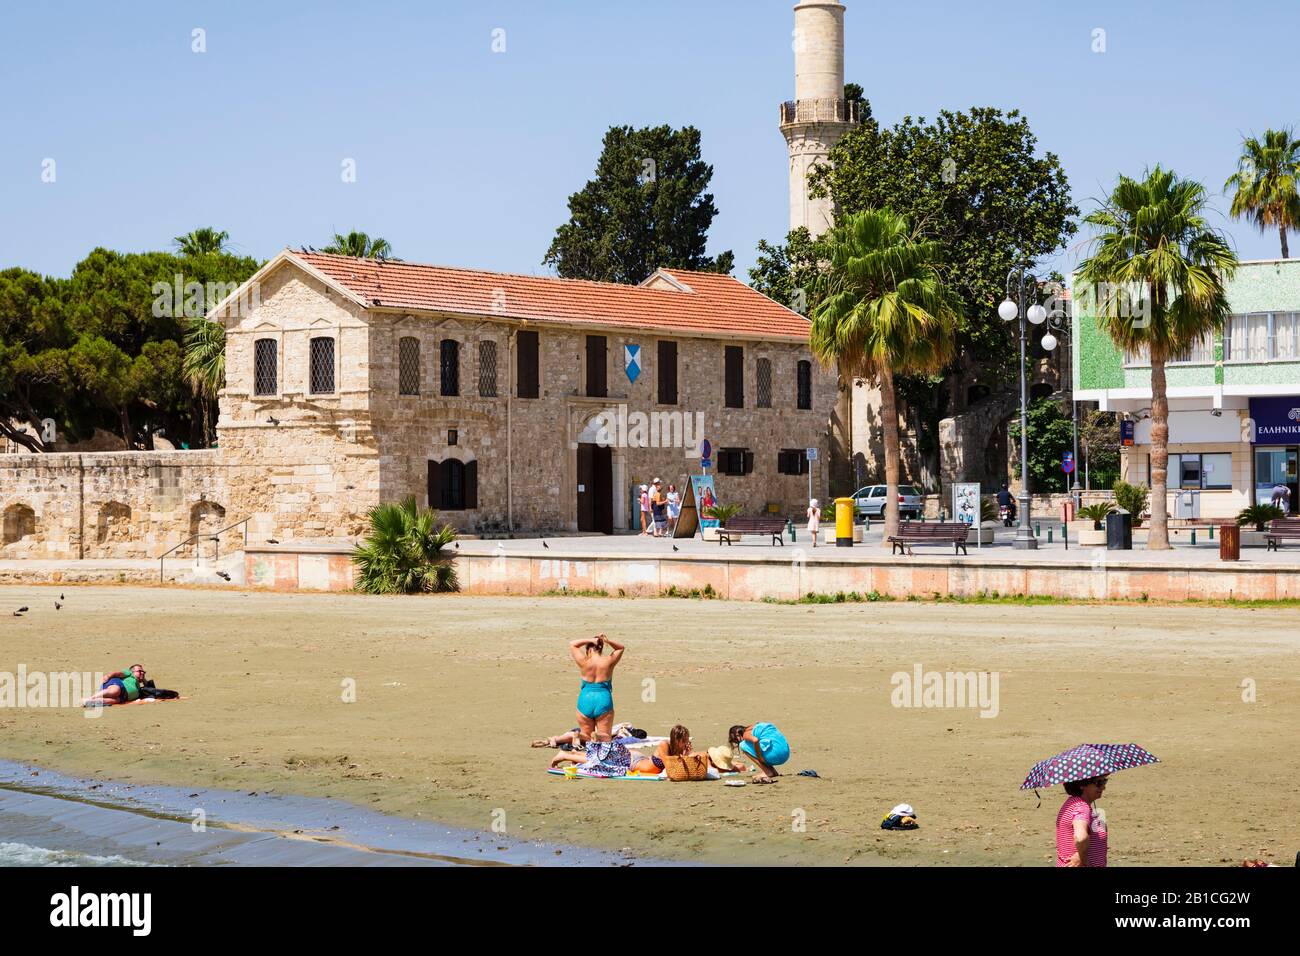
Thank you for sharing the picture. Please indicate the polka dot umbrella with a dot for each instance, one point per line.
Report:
(1085, 761)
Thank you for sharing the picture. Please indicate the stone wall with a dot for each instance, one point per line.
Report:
(108, 505)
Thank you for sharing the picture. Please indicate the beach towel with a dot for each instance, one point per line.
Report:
(557, 772)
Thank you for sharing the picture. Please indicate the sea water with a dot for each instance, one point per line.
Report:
(24, 854)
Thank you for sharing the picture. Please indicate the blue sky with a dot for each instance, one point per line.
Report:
(467, 157)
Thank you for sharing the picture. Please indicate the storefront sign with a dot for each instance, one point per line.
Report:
(1277, 419)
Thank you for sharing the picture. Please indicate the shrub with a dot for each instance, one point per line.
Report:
(1096, 514)
(404, 552)
(1131, 498)
(1259, 515)
(723, 513)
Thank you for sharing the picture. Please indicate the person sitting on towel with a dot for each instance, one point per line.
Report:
(120, 687)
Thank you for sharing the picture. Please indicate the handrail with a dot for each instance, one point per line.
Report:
(216, 542)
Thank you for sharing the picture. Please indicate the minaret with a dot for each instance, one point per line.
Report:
(818, 116)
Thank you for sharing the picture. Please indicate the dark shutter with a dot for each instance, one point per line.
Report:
(471, 485)
(747, 466)
(435, 484)
(667, 371)
(450, 353)
(526, 375)
(805, 384)
(735, 376)
(597, 386)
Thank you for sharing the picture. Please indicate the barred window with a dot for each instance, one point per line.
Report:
(805, 384)
(487, 369)
(450, 366)
(265, 362)
(322, 366)
(764, 383)
(408, 366)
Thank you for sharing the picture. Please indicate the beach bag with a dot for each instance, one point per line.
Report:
(687, 767)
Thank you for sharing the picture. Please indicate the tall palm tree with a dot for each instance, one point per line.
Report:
(883, 311)
(204, 365)
(201, 241)
(1266, 183)
(360, 245)
(1153, 243)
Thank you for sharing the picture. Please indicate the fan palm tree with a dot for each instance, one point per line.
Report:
(1265, 183)
(360, 245)
(1152, 240)
(204, 365)
(404, 552)
(201, 241)
(883, 311)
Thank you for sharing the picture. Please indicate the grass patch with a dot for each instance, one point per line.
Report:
(839, 597)
(706, 593)
(565, 592)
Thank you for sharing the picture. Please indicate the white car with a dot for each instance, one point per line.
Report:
(870, 502)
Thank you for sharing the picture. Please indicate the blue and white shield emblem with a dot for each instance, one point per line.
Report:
(632, 361)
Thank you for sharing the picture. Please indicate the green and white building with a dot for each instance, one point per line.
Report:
(1234, 399)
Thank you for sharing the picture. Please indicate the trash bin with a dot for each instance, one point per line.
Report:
(1229, 542)
(1119, 531)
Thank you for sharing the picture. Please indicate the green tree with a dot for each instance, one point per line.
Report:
(882, 311)
(201, 241)
(973, 182)
(1051, 435)
(204, 365)
(104, 371)
(1152, 241)
(1265, 183)
(646, 208)
(359, 245)
(404, 552)
(788, 272)
(1099, 445)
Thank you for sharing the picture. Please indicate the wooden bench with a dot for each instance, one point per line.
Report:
(1279, 529)
(930, 532)
(740, 526)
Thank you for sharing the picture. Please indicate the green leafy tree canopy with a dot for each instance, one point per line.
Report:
(646, 208)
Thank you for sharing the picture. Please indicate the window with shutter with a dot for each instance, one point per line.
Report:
(805, 384)
(734, 376)
(527, 377)
(666, 365)
(597, 387)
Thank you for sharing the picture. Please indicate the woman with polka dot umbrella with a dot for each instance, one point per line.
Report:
(1081, 831)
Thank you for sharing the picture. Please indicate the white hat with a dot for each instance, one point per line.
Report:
(657, 482)
(903, 810)
(644, 488)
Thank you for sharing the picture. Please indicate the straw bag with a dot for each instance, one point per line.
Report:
(687, 767)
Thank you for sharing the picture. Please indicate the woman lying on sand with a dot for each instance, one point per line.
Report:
(121, 687)
(596, 695)
(765, 744)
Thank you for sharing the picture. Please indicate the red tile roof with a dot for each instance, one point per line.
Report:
(711, 303)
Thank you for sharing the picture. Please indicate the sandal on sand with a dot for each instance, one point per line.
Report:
(548, 742)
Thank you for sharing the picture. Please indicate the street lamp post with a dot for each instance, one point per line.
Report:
(1025, 307)
(1058, 321)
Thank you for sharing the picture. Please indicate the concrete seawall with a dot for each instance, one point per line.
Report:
(790, 574)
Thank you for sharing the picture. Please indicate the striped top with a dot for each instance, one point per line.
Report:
(1075, 808)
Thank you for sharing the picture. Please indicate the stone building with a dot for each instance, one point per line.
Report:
(504, 402)
(507, 401)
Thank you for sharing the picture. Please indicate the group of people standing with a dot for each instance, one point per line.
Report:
(596, 745)
(659, 509)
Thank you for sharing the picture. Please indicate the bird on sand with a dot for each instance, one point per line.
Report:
(546, 546)
(57, 605)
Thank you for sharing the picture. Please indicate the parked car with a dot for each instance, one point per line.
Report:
(870, 502)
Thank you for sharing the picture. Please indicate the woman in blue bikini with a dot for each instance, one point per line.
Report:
(596, 697)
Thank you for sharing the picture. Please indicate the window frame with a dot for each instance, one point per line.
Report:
(803, 385)
(443, 365)
(333, 339)
(419, 369)
(274, 392)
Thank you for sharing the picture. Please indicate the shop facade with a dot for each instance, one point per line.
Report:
(1234, 398)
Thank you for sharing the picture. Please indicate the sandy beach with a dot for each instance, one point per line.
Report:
(449, 691)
